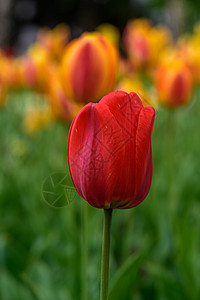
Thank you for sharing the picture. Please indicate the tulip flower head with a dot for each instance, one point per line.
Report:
(36, 68)
(188, 48)
(10, 72)
(89, 68)
(144, 43)
(136, 43)
(109, 151)
(174, 84)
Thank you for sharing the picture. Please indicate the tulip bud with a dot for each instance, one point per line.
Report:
(188, 48)
(36, 68)
(89, 68)
(10, 72)
(109, 151)
(144, 43)
(174, 84)
(136, 42)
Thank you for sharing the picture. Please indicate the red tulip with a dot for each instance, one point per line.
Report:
(109, 151)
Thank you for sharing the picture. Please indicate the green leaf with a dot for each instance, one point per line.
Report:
(11, 289)
(125, 278)
(166, 283)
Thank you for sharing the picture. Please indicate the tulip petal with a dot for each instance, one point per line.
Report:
(91, 147)
(143, 167)
(133, 162)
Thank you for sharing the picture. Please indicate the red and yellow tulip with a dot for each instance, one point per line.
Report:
(36, 68)
(89, 68)
(174, 83)
(144, 43)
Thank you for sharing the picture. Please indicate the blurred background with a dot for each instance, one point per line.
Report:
(21, 19)
(49, 252)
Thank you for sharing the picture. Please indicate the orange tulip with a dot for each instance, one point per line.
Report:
(89, 68)
(10, 71)
(188, 48)
(15, 74)
(174, 84)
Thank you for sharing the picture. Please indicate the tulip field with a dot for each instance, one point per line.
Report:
(50, 238)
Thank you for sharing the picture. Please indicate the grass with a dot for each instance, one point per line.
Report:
(155, 246)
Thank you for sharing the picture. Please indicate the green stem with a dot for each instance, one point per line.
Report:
(171, 161)
(84, 253)
(105, 254)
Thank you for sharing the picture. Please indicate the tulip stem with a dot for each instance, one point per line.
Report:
(171, 141)
(84, 252)
(105, 254)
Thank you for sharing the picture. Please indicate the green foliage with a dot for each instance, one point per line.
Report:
(155, 246)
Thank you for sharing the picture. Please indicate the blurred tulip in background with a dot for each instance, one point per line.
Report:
(89, 68)
(174, 84)
(54, 41)
(36, 68)
(144, 42)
